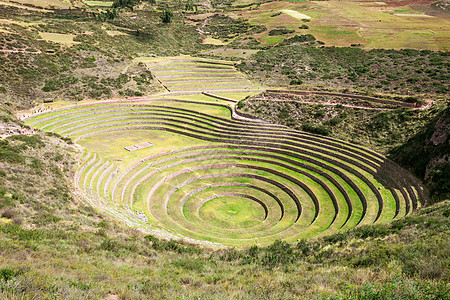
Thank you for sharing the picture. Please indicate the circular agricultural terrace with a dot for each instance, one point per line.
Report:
(205, 175)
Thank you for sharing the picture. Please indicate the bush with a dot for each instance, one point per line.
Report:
(280, 31)
(317, 129)
(7, 274)
(398, 288)
(333, 121)
(63, 81)
(32, 141)
(125, 3)
(333, 239)
(109, 245)
(381, 121)
(240, 104)
(370, 231)
(11, 157)
(167, 17)
(190, 264)
(297, 39)
(279, 253)
(296, 82)
(8, 213)
(16, 231)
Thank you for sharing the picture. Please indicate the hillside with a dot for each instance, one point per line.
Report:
(224, 149)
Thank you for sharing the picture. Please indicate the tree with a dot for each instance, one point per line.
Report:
(125, 3)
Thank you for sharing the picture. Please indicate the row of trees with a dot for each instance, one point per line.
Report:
(111, 14)
(130, 3)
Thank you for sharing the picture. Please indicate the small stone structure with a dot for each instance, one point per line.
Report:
(139, 146)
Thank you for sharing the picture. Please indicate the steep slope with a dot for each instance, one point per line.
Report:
(428, 155)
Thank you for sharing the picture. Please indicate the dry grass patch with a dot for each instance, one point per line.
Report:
(61, 38)
(213, 41)
(295, 14)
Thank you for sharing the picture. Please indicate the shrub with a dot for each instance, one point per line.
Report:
(370, 231)
(397, 288)
(317, 129)
(240, 104)
(378, 256)
(297, 39)
(63, 81)
(125, 3)
(32, 141)
(17, 220)
(167, 17)
(253, 251)
(381, 121)
(279, 253)
(281, 31)
(333, 239)
(8, 213)
(16, 231)
(109, 245)
(304, 247)
(7, 274)
(333, 122)
(11, 157)
(190, 264)
(296, 82)
(151, 238)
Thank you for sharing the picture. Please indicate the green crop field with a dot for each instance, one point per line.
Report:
(209, 175)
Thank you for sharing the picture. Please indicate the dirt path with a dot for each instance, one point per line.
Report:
(359, 97)
(323, 103)
(24, 7)
(19, 51)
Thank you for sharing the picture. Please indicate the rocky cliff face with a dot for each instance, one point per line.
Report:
(427, 154)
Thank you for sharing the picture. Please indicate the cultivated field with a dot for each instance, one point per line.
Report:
(389, 24)
(210, 175)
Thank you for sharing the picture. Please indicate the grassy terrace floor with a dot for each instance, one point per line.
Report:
(189, 75)
(212, 177)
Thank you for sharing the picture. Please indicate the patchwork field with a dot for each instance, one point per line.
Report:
(208, 175)
(389, 24)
